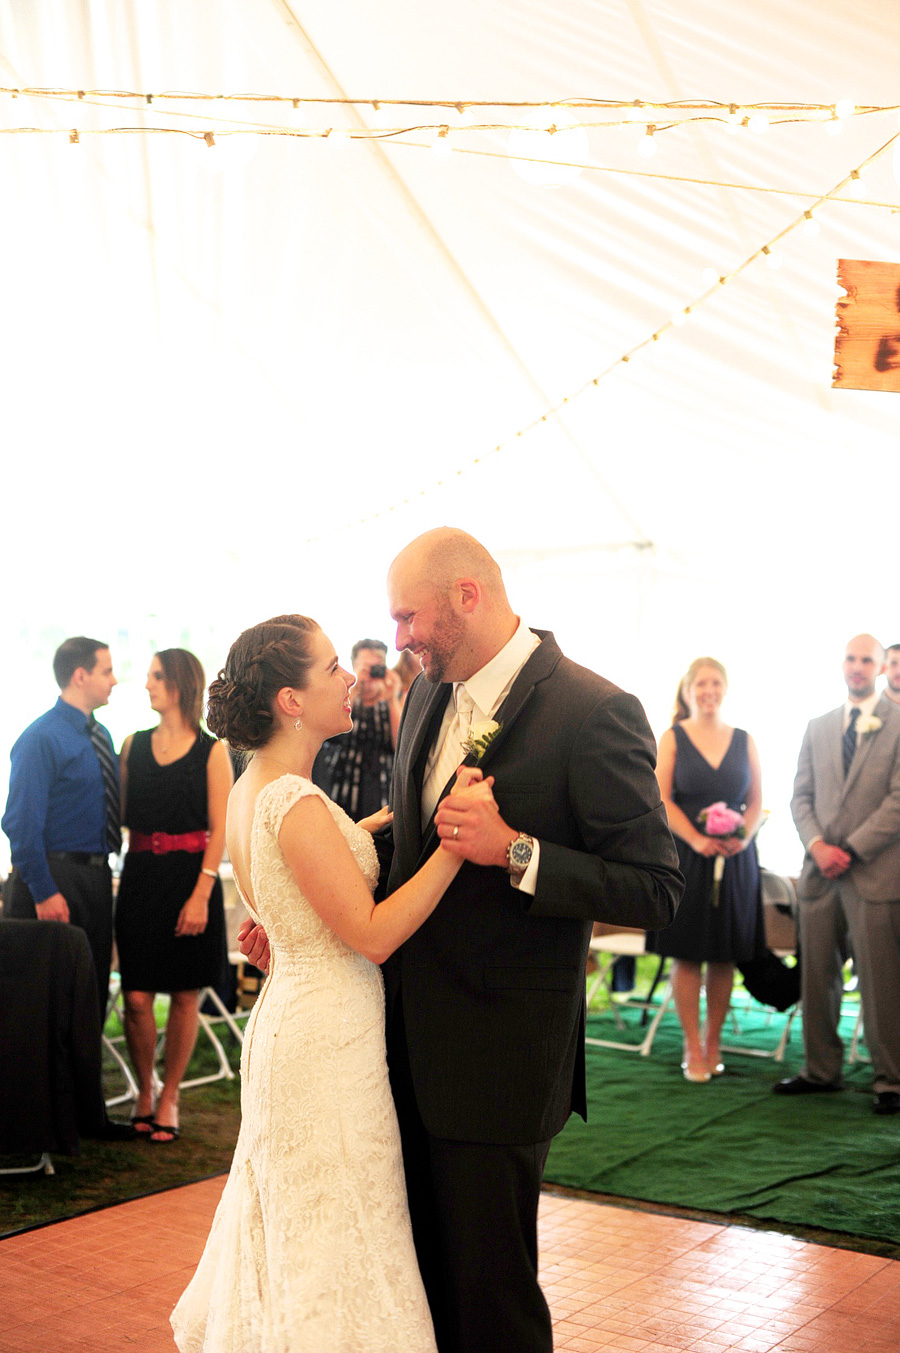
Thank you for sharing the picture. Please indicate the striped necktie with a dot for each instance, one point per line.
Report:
(451, 755)
(102, 747)
(848, 745)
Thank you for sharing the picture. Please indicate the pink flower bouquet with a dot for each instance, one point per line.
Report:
(721, 821)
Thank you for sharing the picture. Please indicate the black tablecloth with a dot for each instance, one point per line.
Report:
(50, 1086)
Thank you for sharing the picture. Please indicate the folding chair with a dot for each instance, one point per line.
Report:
(611, 946)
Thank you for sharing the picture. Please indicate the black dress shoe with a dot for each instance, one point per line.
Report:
(799, 1085)
(114, 1131)
(886, 1101)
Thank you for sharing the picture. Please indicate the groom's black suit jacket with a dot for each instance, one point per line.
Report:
(492, 984)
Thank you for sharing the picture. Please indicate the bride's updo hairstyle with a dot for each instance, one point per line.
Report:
(261, 662)
(682, 709)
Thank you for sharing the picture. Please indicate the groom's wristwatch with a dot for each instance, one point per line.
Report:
(518, 857)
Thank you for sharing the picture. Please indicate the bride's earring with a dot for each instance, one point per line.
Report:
(298, 725)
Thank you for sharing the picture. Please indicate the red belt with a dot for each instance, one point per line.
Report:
(161, 843)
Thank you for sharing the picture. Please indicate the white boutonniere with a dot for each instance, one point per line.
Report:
(480, 737)
(867, 725)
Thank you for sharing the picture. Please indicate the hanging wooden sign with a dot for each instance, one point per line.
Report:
(867, 343)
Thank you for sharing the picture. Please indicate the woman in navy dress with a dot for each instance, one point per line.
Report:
(703, 761)
(170, 923)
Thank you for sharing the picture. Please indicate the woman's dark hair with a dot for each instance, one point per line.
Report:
(184, 674)
(261, 662)
(682, 709)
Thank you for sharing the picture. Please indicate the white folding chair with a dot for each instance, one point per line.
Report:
(606, 949)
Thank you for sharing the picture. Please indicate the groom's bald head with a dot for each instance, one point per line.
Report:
(447, 595)
(446, 554)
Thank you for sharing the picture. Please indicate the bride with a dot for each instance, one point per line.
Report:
(311, 1247)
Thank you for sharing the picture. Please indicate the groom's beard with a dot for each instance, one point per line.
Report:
(443, 646)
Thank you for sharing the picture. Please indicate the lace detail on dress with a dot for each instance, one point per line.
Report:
(311, 1247)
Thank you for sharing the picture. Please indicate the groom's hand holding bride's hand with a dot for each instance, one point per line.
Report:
(469, 822)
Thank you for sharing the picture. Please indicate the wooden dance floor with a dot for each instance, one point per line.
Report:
(618, 1280)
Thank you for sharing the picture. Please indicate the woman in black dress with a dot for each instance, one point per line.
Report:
(703, 761)
(170, 924)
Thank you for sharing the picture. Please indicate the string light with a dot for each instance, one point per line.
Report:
(855, 187)
(549, 148)
(811, 227)
(647, 147)
(441, 146)
(677, 320)
(758, 123)
(664, 115)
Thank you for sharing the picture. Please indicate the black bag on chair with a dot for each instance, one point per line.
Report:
(770, 981)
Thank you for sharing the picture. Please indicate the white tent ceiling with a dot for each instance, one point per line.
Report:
(226, 389)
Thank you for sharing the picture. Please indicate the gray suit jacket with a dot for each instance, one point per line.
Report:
(861, 813)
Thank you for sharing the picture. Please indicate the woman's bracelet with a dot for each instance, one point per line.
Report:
(210, 873)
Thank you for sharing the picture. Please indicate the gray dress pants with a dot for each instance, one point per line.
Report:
(838, 922)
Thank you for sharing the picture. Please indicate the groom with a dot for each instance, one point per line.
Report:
(485, 1022)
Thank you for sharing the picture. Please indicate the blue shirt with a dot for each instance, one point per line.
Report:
(56, 795)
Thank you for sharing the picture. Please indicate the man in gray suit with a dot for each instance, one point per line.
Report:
(846, 808)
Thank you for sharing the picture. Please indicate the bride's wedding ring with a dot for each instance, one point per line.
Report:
(455, 832)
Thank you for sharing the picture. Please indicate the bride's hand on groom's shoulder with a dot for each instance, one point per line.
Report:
(374, 823)
(253, 943)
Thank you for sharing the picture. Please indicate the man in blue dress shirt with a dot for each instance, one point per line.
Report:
(62, 815)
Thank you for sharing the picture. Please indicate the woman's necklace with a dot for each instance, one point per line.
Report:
(165, 750)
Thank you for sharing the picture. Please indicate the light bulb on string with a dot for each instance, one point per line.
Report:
(441, 147)
(227, 152)
(709, 276)
(811, 227)
(773, 259)
(844, 108)
(635, 112)
(680, 317)
(647, 146)
(548, 148)
(733, 120)
(381, 116)
(856, 188)
(758, 123)
(338, 138)
(463, 116)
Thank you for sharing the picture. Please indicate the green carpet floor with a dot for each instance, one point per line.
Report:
(730, 1146)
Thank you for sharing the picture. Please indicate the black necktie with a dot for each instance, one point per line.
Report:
(110, 785)
(849, 742)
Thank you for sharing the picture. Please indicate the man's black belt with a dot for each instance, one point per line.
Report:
(78, 857)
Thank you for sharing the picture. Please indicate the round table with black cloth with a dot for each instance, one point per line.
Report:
(154, 888)
(732, 931)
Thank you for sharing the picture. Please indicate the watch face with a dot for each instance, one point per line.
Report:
(520, 854)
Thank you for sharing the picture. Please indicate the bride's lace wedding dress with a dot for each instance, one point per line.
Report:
(311, 1249)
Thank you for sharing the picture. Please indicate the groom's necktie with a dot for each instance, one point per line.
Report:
(849, 741)
(110, 785)
(451, 754)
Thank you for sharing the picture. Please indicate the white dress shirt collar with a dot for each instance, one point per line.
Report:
(490, 686)
(865, 707)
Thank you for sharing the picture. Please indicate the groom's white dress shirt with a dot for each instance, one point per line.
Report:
(486, 690)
